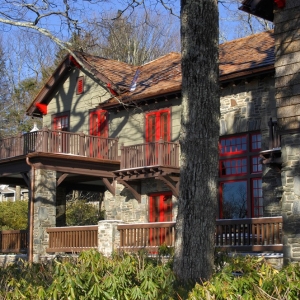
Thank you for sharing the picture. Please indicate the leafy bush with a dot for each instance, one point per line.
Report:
(250, 278)
(93, 276)
(13, 215)
(79, 212)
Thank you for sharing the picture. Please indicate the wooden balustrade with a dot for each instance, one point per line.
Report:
(13, 241)
(150, 236)
(53, 141)
(253, 235)
(72, 239)
(150, 154)
(256, 234)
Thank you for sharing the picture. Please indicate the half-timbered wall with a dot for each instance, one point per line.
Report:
(66, 99)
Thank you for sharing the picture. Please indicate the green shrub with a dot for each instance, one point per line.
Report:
(79, 212)
(13, 215)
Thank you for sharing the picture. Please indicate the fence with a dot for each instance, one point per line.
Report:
(13, 241)
(150, 154)
(54, 141)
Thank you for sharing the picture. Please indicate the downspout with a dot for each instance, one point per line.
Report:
(31, 211)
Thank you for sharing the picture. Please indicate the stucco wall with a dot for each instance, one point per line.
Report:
(66, 100)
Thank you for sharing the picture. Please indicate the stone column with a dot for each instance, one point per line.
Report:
(108, 236)
(60, 207)
(287, 85)
(44, 210)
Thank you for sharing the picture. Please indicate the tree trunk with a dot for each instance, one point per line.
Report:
(197, 205)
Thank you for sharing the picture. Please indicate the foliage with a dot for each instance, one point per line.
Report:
(80, 212)
(250, 278)
(124, 276)
(13, 215)
(91, 276)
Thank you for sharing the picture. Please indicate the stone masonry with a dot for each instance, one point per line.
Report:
(287, 84)
(44, 210)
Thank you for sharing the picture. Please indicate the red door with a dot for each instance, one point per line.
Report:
(157, 126)
(160, 210)
(99, 132)
(60, 140)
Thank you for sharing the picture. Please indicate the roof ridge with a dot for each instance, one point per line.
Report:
(248, 36)
(161, 57)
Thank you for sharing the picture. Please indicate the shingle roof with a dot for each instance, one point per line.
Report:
(238, 58)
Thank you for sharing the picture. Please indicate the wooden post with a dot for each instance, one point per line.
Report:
(123, 159)
(160, 151)
(81, 143)
(19, 150)
(177, 154)
(45, 139)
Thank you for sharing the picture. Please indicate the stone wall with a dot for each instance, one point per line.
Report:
(124, 207)
(287, 83)
(44, 209)
(247, 107)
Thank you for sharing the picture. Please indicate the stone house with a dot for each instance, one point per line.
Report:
(114, 128)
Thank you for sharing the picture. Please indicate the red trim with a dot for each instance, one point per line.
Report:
(80, 85)
(43, 108)
(280, 3)
(158, 125)
(113, 92)
(99, 123)
(163, 208)
(74, 62)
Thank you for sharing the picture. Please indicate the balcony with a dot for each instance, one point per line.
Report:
(59, 142)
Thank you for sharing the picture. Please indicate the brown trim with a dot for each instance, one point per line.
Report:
(110, 186)
(135, 190)
(61, 179)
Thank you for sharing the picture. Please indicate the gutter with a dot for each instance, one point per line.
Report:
(31, 211)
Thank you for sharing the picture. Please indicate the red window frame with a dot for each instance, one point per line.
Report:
(158, 125)
(61, 122)
(234, 149)
(99, 145)
(80, 85)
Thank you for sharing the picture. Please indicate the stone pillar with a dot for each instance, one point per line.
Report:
(287, 95)
(44, 210)
(108, 236)
(60, 207)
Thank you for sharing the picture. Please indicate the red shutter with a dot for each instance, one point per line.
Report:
(79, 85)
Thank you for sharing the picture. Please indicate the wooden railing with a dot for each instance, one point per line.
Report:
(258, 234)
(150, 154)
(150, 236)
(72, 239)
(53, 141)
(13, 241)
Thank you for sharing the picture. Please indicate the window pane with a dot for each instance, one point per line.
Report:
(256, 141)
(257, 199)
(234, 200)
(233, 166)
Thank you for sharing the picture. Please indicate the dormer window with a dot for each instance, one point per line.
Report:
(80, 85)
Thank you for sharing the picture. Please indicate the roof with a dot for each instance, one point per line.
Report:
(259, 8)
(239, 58)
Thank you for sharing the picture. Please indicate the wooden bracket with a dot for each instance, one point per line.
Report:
(135, 190)
(61, 178)
(170, 183)
(110, 186)
(26, 179)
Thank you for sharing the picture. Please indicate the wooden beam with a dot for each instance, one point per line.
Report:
(170, 183)
(110, 186)
(26, 179)
(132, 189)
(61, 178)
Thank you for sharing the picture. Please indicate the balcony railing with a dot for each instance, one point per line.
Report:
(72, 239)
(150, 154)
(53, 141)
(258, 234)
(13, 241)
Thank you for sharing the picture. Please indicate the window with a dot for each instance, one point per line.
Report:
(158, 126)
(240, 184)
(60, 122)
(80, 85)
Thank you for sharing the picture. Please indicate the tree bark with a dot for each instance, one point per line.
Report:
(197, 205)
